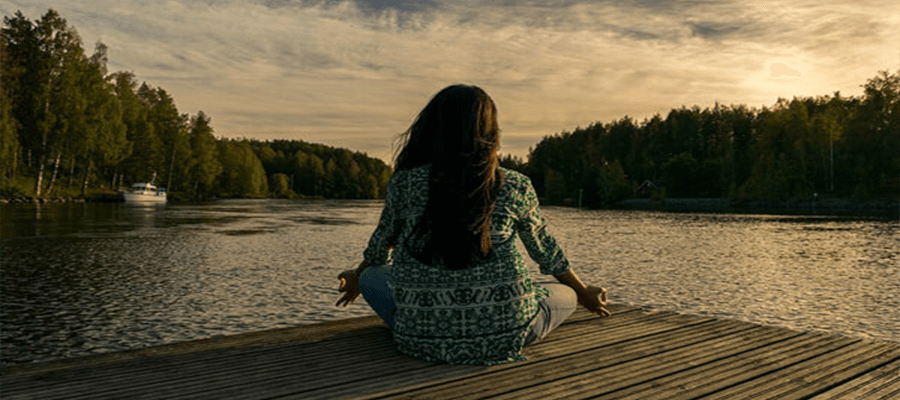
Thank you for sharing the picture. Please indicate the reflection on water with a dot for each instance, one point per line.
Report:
(89, 278)
(816, 273)
(79, 279)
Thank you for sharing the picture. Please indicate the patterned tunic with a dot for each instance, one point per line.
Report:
(479, 315)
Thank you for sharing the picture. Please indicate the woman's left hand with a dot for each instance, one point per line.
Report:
(349, 286)
(595, 300)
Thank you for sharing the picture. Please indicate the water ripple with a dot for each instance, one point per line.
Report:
(95, 278)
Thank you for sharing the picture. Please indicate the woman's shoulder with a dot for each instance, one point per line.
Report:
(516, 190)
(515, 179)
(411, 174)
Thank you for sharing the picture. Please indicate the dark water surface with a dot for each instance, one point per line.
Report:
(80, 279)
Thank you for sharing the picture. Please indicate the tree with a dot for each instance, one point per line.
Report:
(280, 186)
(554, 187)
(243, 174)
(64, 102)
(102, 127)
(20, 78)
(147, 157)
(742, 144)
(332, 179)
(621, 133)
(310, 173)
(9, 141)
(678, 175)
(369, 187)
(60, 107)
(514, 163)
(781, 169)
(43, 66)
(684, 127)
(873, 137)
(613, 183)
(171, 128)
(204, 165)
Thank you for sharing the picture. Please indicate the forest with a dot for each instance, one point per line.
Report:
(70, 128)
(830, 146)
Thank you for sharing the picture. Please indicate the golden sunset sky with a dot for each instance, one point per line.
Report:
(353, 74)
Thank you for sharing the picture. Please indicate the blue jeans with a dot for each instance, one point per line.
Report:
(375, 285)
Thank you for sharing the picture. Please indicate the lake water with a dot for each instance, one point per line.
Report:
(80, 279)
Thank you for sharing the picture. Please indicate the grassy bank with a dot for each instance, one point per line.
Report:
(21, 190)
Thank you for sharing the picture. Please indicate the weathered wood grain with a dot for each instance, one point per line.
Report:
(635, 354)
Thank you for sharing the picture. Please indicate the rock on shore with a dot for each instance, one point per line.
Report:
(60, 200)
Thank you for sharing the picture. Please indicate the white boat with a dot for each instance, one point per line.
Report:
(145, 192)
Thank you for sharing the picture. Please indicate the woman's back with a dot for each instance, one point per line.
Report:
(457, 289)
(477, 315)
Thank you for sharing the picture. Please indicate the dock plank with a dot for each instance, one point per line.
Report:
(635, 354)
(882, 383)
(726, 372)
(186, 370)
(611, 378)
(317, 384)
(570, 361)
(428, 378)
(816, 374)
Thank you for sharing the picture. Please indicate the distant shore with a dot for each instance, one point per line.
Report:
(106, 197)
(670, 205)
(38, 200)
(103, 198)
(726, 205)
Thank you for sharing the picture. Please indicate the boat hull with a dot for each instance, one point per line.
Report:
(144, 197)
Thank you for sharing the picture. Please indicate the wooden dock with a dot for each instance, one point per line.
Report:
(635, 354)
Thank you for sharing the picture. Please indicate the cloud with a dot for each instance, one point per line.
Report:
(782, 69)
(355, 74)
(713, 31)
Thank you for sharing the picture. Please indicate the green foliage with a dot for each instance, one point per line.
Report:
(678, 175)
(12, 187)
(204, 165)
(323, 171)
(614, 184)
(872, 140)
(310, 173)
(9, 140)
(171, 128)
(243, 174)
(281, 186)
(831, 145)
(514, 163)
(64, 116)
(146, 157)
(554, 186)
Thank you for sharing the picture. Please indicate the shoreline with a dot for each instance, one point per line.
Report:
(666, 205)
(840, 206)
(38, 200)
(63, 200)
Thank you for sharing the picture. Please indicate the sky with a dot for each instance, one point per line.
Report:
(354, 74)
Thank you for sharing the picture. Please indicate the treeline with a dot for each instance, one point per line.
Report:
(296, 167)
(68, 126)
(827, 146)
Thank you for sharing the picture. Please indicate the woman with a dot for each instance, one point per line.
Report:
(442, 268)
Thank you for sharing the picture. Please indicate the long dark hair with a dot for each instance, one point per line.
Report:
(457, 133)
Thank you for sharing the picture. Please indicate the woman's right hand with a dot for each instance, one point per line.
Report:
(349, 286)
(594, 299)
